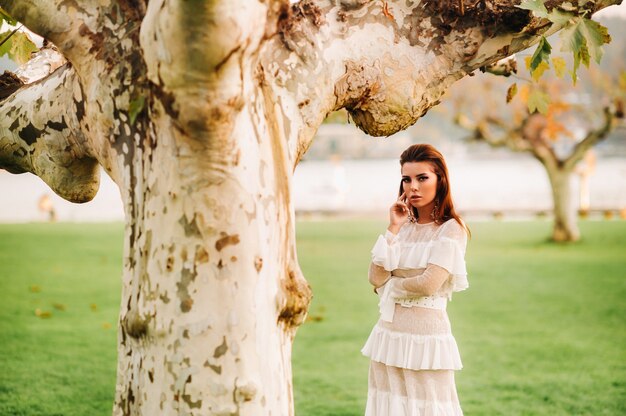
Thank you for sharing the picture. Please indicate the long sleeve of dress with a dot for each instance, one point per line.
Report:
(387, 250)
(427, 283)
(377, 275)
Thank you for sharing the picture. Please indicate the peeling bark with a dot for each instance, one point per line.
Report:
(40, 135)
(200, 113)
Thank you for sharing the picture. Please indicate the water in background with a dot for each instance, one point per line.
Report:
(515, 186)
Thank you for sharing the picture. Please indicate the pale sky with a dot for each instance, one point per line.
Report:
(612, 11)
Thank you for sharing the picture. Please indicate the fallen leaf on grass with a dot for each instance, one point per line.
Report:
(42, 314)
(35, 288)
(58, 306)
(93, 307)
(314, 318)
(106, 325)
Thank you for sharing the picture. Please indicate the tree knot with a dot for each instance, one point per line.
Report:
(295, 302)
(245, 392)
(135, 325)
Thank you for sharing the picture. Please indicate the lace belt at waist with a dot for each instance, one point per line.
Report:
(387, 303)
(431, 302)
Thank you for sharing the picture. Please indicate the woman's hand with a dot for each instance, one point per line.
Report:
(398, 214)
(397, 290)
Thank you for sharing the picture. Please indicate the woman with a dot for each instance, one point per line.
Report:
(415, 268)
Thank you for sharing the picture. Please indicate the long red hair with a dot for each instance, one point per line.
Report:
(443, 197)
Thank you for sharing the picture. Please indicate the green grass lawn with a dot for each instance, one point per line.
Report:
(542, 328)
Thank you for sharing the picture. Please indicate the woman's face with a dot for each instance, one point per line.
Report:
(419, 183)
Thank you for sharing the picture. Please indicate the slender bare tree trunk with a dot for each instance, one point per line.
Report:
(565, 226)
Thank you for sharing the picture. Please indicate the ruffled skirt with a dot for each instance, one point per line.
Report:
(412, 365)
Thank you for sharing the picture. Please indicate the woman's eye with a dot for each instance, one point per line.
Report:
(405, 180)
(422, 178)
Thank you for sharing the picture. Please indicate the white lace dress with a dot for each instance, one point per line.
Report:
(412, 350)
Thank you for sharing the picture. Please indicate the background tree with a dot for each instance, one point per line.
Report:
(200, 111)
(555, 122)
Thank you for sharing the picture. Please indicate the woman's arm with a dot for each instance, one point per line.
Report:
(398, 216)
(377, 275)
(427, 283)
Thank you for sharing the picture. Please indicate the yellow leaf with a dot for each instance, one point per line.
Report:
(314, 318)
(538, 72)
(559, 66)
(527, 60)
(510, 93)
(538, 101)
(106, 325)
(42, 314)
(524, 92)
(622, 80)
(554, 129)
(58, 306)
(559, 106)
(35, 288)
(93, 307)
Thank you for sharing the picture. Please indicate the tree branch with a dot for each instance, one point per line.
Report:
(504, 67)
(201, 57)
(73, 28)
(43, 17)
(40, 133)
(388, 62)
(511, 137)
(532, 129)
(590, 140)
(42, 64)
(9, 83)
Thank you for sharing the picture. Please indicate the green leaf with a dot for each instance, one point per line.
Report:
(536, 6)
(596, 35)
(4, 16)
(16, 45)
(135, 107)
(584, 54)
(538, 101)
(584, 40)
(572, 40)
(21, 48)
(542, 54)
(6, 42)
(560, 17)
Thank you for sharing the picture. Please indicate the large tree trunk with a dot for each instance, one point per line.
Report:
(565, 208)
(200, 112)
(212, 290)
